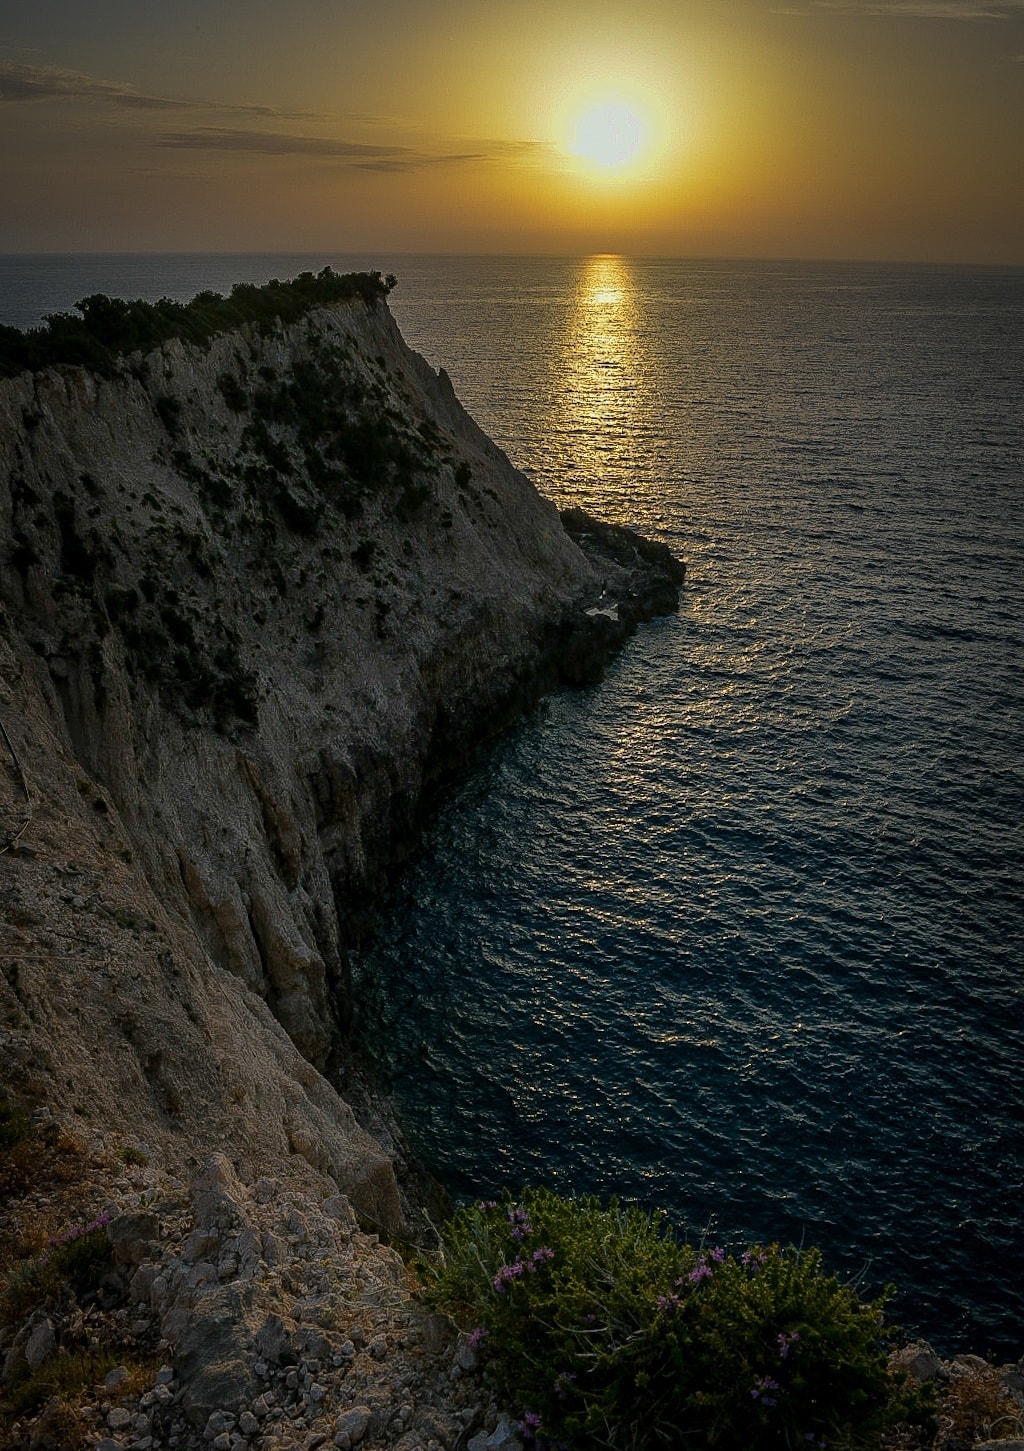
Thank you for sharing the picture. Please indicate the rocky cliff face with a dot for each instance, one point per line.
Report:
(255, 598)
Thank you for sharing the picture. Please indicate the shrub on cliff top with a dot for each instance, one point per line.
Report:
(605, 1330)
(111, 327)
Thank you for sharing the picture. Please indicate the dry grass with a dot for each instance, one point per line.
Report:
(48, 1182)
(974, 1405)
(58, 1398)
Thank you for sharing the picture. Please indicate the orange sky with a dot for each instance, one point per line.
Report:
(813, 128)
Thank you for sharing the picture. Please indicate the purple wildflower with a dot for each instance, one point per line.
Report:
(761, 1388)
(562, 1381)
(477, 1337)
(700, 1271)
(76, 1231)
(540, 1255)
(520, 1222)
(785, 1341)
(717, 1254)
(507, 1274)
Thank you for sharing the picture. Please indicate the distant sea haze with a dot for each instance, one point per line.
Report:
(740, 931)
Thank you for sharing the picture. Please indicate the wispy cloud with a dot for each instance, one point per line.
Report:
(20, 83)
(365, 155)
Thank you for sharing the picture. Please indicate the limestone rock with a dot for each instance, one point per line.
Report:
(502, 1438)
(352, 1427)
(214, 1356)
(919, 1361)
(132, 1236)
(273, 1341)
(40, 1345)
(255, 599)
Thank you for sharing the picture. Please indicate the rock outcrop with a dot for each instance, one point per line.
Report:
(234, 1316)
(257, 598)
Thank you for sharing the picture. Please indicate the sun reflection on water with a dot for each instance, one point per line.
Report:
(604, 402)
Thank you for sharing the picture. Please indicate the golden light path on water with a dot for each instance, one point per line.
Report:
(603, 363)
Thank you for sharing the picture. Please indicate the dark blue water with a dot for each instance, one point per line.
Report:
(740, 931)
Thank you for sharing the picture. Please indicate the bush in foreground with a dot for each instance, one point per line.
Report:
(605, 1330)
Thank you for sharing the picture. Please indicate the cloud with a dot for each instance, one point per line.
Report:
(365, 156)
(21, 83)
(276, 143)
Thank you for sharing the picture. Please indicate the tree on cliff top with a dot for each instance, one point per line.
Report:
(111, 327)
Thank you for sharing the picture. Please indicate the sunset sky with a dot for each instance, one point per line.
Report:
(890, 129)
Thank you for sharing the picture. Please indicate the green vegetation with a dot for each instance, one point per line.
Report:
(71, 1278)
(278, 456)
(110, 328)
(233, 393)
(76, 1260)
(606, 1331)
(351, 443)
(15, 1125)
(65, 1377)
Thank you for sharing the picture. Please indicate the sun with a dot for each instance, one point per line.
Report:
(609, 136)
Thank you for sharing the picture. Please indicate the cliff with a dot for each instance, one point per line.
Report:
(259, 595)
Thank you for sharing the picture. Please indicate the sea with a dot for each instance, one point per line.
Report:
(739, 931)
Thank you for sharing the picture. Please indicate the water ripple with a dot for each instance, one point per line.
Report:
(739, 932)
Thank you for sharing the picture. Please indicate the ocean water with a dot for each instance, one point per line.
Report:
(740, 930)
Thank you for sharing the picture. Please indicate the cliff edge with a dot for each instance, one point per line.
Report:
(258, 593)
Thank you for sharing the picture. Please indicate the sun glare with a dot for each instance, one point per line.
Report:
(609, 136)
